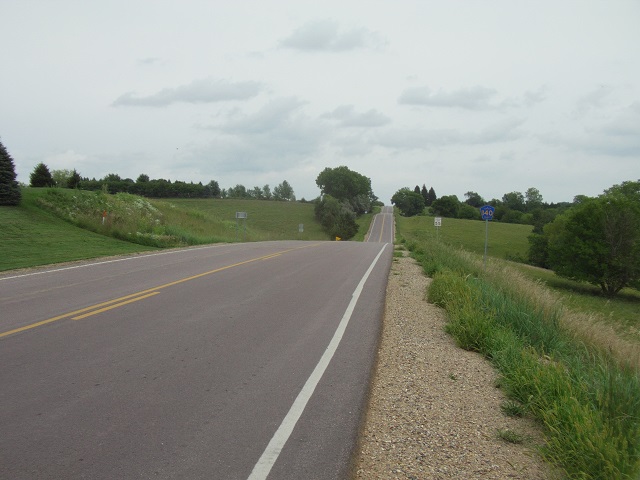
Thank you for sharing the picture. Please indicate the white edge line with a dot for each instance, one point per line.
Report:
(93, 264)
(272, 452)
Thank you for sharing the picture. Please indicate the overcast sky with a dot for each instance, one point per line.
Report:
(484, 96)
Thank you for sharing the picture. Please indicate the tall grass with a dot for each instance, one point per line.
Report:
(586, 398)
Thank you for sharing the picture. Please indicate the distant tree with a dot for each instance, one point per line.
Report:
(239, 191)
(432, 197)
(212, 189)
(61, 177)
(425, 194)
(596, 241)
(408, 202)
(10, 193)
(256, 192)
(533, 199)
(284, 191)
(514, 201)
(266, 192)
(447, 206)
(337, 218)
(346, 185)
(468, 212)
(142, 178)
(474, 199)
(74, 180)
(41, 176)
(417, 189)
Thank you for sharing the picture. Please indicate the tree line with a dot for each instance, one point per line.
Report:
(593, 240)
(112, 183)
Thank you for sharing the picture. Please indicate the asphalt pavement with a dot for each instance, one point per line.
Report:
(219, 362)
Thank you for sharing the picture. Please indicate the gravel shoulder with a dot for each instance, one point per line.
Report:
(434, 411)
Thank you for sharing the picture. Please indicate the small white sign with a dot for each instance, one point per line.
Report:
(241, 214)
(437, 222)
(301, 227)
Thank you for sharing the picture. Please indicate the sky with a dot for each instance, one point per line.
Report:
(484, 96)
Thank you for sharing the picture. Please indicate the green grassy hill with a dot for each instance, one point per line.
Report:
(60, 225)
(505, 240)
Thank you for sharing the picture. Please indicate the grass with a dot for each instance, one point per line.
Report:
(44, 228)
(31, 236)
(584, 393)
(505, 240)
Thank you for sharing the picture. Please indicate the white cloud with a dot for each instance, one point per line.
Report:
(326, 35)
(347, 117)
(206, 90)
(473, 98)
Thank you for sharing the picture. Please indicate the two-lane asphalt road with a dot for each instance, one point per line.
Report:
(222, 362)
(382, 228)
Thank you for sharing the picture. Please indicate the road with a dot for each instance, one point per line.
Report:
(231, 362)
(382, 228)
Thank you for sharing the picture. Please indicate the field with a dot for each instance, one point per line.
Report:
(44, 228)
(505, 240)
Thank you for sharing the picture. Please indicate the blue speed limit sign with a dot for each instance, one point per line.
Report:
(487, 212)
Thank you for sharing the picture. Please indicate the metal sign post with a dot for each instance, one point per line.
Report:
(487, 214)
(242, 215)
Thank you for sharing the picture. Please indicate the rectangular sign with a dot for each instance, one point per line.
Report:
(241, 214)
(437, 222)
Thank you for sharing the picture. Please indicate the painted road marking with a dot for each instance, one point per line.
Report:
(134, 297)
(272, 452)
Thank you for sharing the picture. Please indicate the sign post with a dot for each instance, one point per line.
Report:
(242, 215)
(487, 214)
(437, 222)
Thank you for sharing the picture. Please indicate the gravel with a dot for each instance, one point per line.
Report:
(434, 410)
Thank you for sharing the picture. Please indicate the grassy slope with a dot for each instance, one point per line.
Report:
(510, 241)
(505, 240)
(31, 236)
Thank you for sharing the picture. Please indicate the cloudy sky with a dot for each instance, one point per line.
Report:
(485, 96)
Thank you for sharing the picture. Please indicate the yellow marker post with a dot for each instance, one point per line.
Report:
(338, 239)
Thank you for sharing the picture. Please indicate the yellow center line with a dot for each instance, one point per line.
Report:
(115, 305)
(117, 302)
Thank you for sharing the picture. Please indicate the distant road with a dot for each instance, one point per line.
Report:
(382, 228)
(222, 362)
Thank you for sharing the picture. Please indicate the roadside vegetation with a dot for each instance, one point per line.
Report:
(53, 225)
(568, 358)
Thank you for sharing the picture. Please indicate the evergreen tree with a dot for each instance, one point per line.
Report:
(74, 179)
(432, 197)
(9, 189)
(41, 176)
(425, 194)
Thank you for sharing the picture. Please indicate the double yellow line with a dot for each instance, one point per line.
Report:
(134, 297)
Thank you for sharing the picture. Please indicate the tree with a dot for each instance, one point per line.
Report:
(417, 189)
(337, 218)
(284, 191)
(514, 201)
(533, 199)
(346, 185)
(61, 177)
(432, 197)
(74, 180)
(408, 202)
(596, 241)
(425, 194)
(266, 192)
(142, 178)
(10, 193)
(212, 189)
(41, 176)
(474, 199)
(447, 206)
